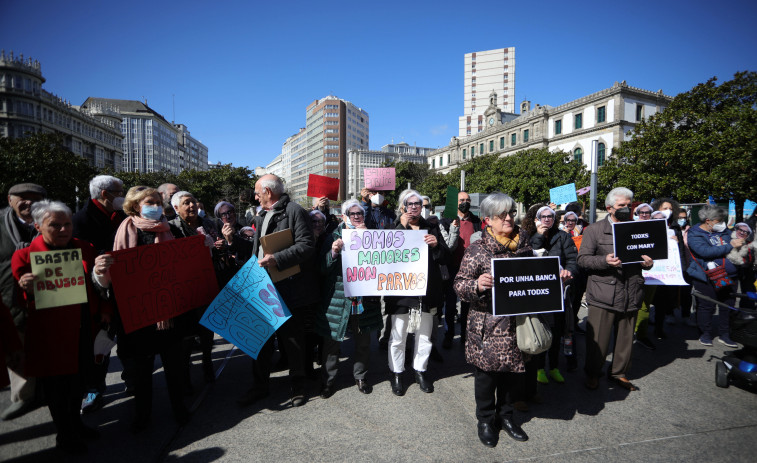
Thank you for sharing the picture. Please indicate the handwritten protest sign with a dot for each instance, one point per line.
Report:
(749, 208)
(631, 240)
(666, 271)
(379, 178)
(156, 282)
(248, 310)
(59, 278)
(450, 206)
(384, 263)
(320, 185)
(526, 285)
(563, 194)
(583, 190)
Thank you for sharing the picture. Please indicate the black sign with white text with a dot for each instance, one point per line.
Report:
(526, 285)
(631, 240)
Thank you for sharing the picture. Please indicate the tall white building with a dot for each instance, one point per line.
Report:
(486, 72)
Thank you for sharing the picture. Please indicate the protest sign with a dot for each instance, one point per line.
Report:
(583, 191)
(563, 194)
(450, 206)
(384, 263)
(59, 278)
(319, 186)
(526, 285)
(276, 242)
(157, 282)
(379, 178)
(666, 271)
(631, 240)
(749, 208)
(248, 310)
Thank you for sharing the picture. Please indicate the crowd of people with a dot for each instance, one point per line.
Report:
(50, 357)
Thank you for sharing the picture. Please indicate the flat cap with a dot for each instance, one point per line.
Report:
(22, 188)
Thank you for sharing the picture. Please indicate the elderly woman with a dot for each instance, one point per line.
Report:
(709, 244)
(491, 346)
(360, 315)
(399, 308)
(59, 340)
(743, 257)
(146, 224)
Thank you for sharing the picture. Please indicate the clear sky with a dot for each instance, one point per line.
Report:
(242, 72)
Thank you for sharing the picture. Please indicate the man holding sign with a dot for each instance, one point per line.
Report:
(614, 293)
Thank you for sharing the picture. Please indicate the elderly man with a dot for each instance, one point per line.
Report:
(300, 291)
(167, 190)
(97, 223)
(16, 232)
(614, 293)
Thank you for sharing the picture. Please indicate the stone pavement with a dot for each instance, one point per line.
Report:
(677, 415)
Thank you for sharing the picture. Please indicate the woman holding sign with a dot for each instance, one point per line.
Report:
(491, 345)
(413, 310)
(60, 336)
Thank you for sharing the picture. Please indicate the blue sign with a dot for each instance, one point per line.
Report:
(563, 194)
(248, 310)
(749, 208)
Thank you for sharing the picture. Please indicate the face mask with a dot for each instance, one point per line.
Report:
(666, 213)
(377, 199)
(118, 203)
(561, 226)
(201, 212)
(425, 213)
(151, 212)
(636, 218)
(463, 207)
(681, 223)
(719, 227)
(623, 214)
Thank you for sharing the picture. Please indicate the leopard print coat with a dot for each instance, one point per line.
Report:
(490, 341)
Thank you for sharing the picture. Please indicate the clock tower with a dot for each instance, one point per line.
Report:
(492, 115)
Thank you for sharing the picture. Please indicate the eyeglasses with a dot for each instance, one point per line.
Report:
(742, 231)
(570, 221)
(354, 214)
(547, 217)
(645, 213)
(504, 215)
(414, 204)
(227, 214)
(463, 201)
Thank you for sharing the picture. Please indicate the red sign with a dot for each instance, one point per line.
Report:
(319, 186)
(157, 282)
(379, 178)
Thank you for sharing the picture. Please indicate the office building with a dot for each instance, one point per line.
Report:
(365, 159)
(485, 72)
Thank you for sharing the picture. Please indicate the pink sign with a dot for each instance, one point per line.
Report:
(379, 178)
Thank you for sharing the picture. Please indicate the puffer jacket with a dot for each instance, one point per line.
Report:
(561, 245)
(620, 289)
(335, 311)
(490, 344)
(709, 247)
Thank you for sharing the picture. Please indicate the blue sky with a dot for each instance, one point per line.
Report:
(243, 72)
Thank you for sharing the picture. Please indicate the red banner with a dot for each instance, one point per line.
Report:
(157, 282)
(319, 186)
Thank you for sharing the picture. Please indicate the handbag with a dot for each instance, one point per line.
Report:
(532, 334)
(717, 276)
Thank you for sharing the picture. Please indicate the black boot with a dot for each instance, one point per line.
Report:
(488, 434)
(424, 383)
(397, 387)
(513, 430)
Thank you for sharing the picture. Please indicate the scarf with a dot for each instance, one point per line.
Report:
(11, 225)
(127, 236)
(510, 243)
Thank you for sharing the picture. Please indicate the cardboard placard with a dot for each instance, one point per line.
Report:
(563, 194)
(272, 244)
(320, 185)
(380, 178)
(384, 263)
(248, 310)
(631, 240)
(526, 285)
(583, 190)
(668, 271)
(450, 205)
(159, 281)
(60, 279)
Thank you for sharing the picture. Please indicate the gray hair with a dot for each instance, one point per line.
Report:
(41, 209)
(221, 204)
(176, 198)
(103, 182)
(426, 198)
(318, 213)
(349, 204)
(273, 183)
(496, 204)
(710, 212)
(619, 192)
(404, 196)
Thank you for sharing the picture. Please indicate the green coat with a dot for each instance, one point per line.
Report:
(334, 313)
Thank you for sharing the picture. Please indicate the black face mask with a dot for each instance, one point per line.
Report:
(623, 214)
(463, 207)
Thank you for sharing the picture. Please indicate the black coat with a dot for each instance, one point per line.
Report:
(561, 245)
(93, 225)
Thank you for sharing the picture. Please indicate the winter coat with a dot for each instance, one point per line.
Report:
(620, 289)
(490, 343)
(437, 256)
(378, 218)
(13, 236)
(561, 244)
(709, 247)
(93, 225)
(334, 314)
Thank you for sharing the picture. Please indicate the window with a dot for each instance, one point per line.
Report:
(441, 161)
(578, 121)
(600, 155)
(472, 151)
(558, 127)
(491, 145)
(525, 136)
(481, 148)
(578, 155)
(601, 116)
(639, 112)
(433, 164)
(512, 140)
(464, 153)
(502, 143)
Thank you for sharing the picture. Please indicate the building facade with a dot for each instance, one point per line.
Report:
(365, 159)
(192, 153)
(486, 72)
(606, 116)
(26, 108)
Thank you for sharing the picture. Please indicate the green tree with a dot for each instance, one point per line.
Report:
(221, 183)
(406, 172)
(702, 144)
(43, 159)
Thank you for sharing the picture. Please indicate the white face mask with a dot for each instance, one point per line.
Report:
(719, 227)
(666, 213)
(425, 213)
(377, 199)
(118, 203)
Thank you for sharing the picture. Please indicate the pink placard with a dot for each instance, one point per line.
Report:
(380, 178)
